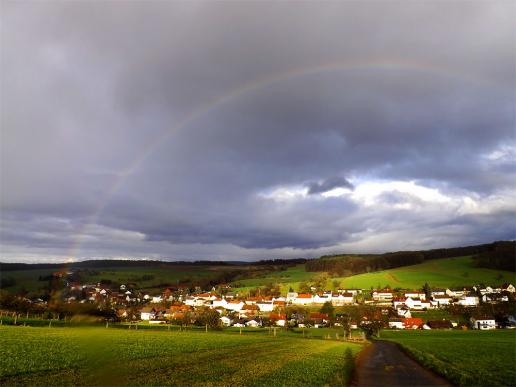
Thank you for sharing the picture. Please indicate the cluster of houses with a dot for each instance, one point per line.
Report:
(178, 302)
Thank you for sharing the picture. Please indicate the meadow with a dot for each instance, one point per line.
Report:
(466, 358)
(147, 278)
(99, 356)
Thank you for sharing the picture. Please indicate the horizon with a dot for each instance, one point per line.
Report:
(241, 261)
(243, 132)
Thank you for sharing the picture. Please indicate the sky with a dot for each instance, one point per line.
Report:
(254, 130)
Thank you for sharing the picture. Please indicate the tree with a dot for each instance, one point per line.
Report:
(304, 287)
(208, 317)
(328, 309)
(427, 290)
(336, 284)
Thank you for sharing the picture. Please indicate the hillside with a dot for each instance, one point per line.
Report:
(447, 272)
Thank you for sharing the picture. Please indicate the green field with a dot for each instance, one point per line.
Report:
(99, 356)
(286, 278)
(466, 358)
(147, 278)
(448, 272)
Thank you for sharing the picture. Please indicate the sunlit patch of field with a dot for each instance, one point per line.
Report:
(95, 356)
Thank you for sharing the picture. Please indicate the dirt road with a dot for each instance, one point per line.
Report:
(384, 364)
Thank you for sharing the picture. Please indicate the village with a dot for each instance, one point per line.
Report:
(388, 308)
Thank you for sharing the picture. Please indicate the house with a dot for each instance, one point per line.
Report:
(413, 303)
(279, 319)
(147, 313)
(249, 310)
(468, 300)
(291, 296)
(415, 294)
(303, 299)
(412, 323)
(404, 312)
(235, 305)
(442, 299)
(455, 292)
(265, 306)
(321, 298)
(253, 324)
(226, 321)
(382, 295)
(508, 288)
(396, 323)
(318, 319)
(483, 323)
(219, 302)
(340, 299)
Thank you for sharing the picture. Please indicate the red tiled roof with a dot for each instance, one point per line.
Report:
(304, 295)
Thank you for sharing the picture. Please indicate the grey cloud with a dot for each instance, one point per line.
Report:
(329, 184)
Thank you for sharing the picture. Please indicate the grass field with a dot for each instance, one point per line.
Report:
(96, 356)
(466, 358)
(147, 278)
(287, 278)
(449, 272)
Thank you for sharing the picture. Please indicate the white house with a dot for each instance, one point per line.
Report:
(404, 312)
(416, 294)
(265, 306)
(508, 288)
(252, 323)
(396, 323)
(342, 299)
(321, 298)
(303, 299)
(442, 299)
(235, 305)
(382, 295)
(156, 299)
(226, 321)
(483, 323)
(468, 300)
(455, 292)
(291, 296)
(147, 313)
(219, 302)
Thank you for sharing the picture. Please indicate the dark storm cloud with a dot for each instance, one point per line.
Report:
(328, 185)
(234, 109)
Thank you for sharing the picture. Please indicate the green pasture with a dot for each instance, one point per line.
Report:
(443, 273)
(466, 358)
(99, 356)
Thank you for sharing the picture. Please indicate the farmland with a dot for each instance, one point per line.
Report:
(472, 358)
(92, 356)
(447, 272)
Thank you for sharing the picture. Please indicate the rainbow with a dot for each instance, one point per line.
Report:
(240, 91)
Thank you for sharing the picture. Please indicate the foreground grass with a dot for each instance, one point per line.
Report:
(466, 358)
(96, 356)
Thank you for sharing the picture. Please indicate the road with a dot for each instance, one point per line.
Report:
(385, 364)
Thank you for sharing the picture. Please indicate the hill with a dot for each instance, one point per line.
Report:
(446, 272)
